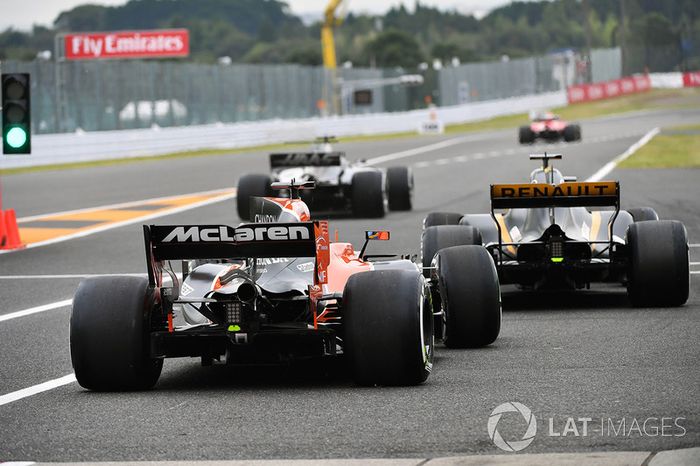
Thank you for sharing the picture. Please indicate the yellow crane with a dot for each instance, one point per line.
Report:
(330, 21)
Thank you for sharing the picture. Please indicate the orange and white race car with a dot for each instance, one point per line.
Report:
(548, 126)
(266, 292)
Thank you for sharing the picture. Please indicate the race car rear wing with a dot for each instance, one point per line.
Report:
(567, 194)
(305, 159)
(259, 240)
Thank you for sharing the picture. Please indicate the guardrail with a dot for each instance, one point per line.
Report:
(50, 149)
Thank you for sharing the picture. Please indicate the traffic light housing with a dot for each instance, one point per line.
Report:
(16, 114)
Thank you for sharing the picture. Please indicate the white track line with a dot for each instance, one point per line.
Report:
(416, 151)
(112, 226)
(610, 166)
(694, 245)
(69, 275)
(34, 389)
(36, 310)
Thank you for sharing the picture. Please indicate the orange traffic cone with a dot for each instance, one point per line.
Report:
(12, 230)
(3, 230)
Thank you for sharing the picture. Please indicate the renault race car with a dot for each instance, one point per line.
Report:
(551, 234)
(268, 292)
(549, 127)
(341, 186)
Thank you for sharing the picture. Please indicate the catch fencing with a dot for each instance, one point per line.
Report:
(77, 96)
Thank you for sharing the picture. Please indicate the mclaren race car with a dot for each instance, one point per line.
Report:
(553, 233)
(259, 293)
(549, 127)
(341, 186)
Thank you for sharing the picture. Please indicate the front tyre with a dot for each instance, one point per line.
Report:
(387, 318)
(399, 184)
(642, 214)
(470, 295)
(659, 264)
(444, 236)
(109, 334)
(441, 218)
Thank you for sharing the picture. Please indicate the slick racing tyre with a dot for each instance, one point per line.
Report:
(470, 295)
(659, 267)
(367, 194)
(109, 334)
(387, 318)
(642, 214)
(399, 187)
(441, 218)
(445, 236)
(251, 186)
(572, 133)
(526, 135)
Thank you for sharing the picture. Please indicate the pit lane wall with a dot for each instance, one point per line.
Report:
(62, 148)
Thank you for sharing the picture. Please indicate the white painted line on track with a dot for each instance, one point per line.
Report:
(40, 388)
(36, 310)
(694, 245)
(610, 166)
(416, 151)
(114, 225)
(69, 275)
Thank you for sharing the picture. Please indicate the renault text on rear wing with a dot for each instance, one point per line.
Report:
(569, 194)
(305, 159)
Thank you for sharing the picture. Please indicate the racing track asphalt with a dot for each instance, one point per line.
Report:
(586, 354)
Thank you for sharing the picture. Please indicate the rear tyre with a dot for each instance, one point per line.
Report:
(572, 133)
(367, 194)
(444, 236)
(659, 267)
(441, 218)
(399, 184)
(109, 334)
(387, 318)
(642, 214)
(253, 185)
(470, 296)
(526, 135)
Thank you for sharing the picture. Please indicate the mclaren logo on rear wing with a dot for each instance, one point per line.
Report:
(305, 159)
(225, 242)
(576, 194)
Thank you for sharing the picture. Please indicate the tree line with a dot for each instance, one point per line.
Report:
(657, 34)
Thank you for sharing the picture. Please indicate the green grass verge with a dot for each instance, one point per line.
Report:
(669, 150)
(666, 98)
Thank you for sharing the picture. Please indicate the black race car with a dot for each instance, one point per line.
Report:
(552, 234)
(342, 186)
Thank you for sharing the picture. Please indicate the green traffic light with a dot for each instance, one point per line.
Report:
(16, 137)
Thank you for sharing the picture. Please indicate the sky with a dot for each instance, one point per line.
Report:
(23, 14)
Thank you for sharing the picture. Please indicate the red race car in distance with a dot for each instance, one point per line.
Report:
(550, 127)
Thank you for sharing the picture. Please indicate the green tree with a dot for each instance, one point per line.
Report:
(394, 48)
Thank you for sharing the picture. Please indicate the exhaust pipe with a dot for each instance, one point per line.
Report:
(247, 292)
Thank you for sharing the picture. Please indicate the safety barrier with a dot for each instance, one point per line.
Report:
(49, 149)
(608, 89)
